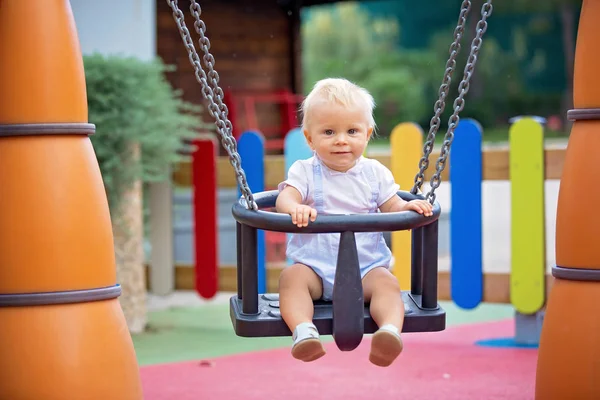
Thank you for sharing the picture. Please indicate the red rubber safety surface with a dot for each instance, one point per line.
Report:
(433, 366)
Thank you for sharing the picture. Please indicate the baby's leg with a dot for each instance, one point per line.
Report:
(299, 285)
(381, 288)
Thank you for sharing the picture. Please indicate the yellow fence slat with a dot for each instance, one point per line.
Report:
(406, 143)
(528, 266)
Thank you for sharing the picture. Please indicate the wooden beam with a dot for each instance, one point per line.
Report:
(496, 285)
(496, 164)
(184, 277)
(495, 168)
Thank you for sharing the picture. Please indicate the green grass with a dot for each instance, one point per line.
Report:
(204, 332)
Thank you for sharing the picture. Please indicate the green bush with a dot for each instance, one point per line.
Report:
(132, 104)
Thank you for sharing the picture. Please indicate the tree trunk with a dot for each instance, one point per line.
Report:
(129, 252)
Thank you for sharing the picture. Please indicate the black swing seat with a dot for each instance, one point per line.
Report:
(346, 317)
(267, 321)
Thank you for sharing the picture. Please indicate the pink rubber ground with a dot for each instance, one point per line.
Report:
(434, 366)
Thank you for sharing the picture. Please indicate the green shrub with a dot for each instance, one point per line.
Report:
(132, 104)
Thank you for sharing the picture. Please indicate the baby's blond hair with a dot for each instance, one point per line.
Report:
(341, 91)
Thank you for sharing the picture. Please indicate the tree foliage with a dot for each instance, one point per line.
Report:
(344, 41)
(131, 103)
(516, 6)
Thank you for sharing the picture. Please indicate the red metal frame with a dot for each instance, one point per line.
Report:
(245, 102)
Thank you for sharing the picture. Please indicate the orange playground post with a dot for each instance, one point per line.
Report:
(568, 366)
(63, 332)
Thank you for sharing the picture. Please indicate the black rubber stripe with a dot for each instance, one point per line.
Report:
(46, 129)
(583, 114)
(72, 296)
(576, 274)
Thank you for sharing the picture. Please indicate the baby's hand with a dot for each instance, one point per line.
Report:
(420, 206)
(301, 214)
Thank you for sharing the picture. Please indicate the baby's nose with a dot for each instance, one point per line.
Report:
(342, 138)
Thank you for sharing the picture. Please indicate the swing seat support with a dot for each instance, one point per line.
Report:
(347, 316)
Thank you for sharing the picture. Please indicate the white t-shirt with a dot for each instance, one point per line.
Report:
(362, 189)
(347, 192)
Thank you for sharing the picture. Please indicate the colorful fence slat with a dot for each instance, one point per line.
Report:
(466, 244)
(251, 147)
(295, 148)
(406, 148)
(204, 202)
(528, 241)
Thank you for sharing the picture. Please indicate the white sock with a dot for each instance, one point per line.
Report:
(305, 330)
(390, 328)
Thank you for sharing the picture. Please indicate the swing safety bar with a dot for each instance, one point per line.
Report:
(346, 317)
(377, 222)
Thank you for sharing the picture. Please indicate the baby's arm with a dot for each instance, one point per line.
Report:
(289, 201)
(391, 202)
(395, 204)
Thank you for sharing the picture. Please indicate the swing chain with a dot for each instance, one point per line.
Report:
(459, 102)
(440, 104)
(212, 92)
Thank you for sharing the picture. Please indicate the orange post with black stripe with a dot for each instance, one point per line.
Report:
(63, 332)
(569, 345)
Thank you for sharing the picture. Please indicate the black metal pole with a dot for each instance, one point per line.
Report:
(430, 266)
(416, 277)
(240, 258)
(249, 270)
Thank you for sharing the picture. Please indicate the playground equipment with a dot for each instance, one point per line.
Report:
(63, 328)
(346, 317)
(63, 333)
(569, 346)
(244, 114)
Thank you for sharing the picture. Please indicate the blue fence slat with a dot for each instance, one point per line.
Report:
(295, 148)
(251, 147)
(466, 245)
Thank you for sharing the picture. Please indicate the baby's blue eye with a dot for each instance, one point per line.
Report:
(328, 132)
(352, 131)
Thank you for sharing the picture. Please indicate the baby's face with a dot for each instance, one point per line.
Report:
(338, 134)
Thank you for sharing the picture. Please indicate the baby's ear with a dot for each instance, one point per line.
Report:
(307, 137)
(369, 133)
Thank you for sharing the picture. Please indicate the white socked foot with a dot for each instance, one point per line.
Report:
(307, 344)
(386, 345)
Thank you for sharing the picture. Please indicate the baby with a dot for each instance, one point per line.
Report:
(338, 123)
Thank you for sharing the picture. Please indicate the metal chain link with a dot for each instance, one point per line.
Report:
(440, 104)
(459, 102)
(212, 91)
